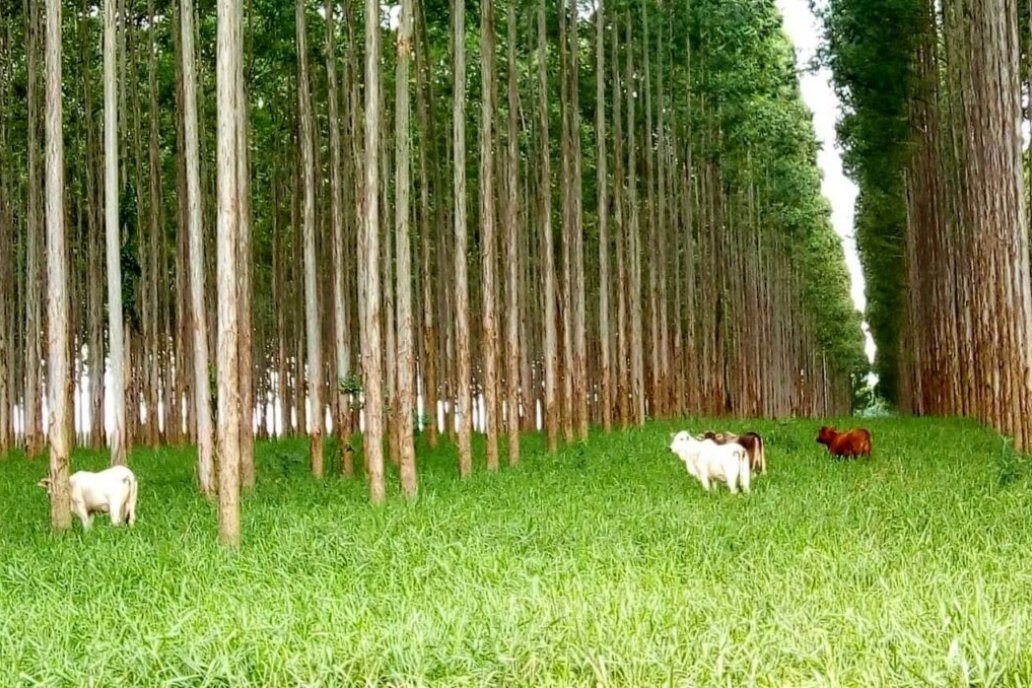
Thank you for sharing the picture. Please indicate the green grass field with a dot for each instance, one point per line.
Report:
(604, 565)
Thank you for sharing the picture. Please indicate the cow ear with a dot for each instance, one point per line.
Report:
(44, 483)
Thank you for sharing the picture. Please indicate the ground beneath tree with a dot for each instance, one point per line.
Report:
(604, 565)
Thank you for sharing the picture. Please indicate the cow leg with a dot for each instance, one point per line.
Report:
(745, 478)
(705, 482)
(732, 480)
(115, 511)
(79, 509)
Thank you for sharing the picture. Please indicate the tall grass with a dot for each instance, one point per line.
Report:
(604, 565)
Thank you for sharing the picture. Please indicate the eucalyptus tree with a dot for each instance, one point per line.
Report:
(59, 345)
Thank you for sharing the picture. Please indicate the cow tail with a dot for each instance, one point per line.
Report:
(761, 452)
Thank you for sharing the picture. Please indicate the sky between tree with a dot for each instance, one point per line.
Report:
(804, 30)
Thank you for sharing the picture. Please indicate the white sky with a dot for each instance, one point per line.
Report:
(804, 29)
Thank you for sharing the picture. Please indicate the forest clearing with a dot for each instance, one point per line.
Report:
(604, 564)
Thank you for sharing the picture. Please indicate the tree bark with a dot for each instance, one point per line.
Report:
(118, 439)
(312, 313)
(516, 391)
(198, 311)
(634, 250)
(58, 364)
(229, 68)
(371, 311)
(33, 314)
(428, 365)
(580, 346)
(487, 229)
(464, 374)
(342, 355)
(406, 393)
(548, 249)
(605, 381)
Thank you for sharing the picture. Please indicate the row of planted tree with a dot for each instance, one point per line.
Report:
(934, 141)
(595, 215)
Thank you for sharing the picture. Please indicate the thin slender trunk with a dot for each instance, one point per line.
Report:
(342, 355)
(371, 311)
(580, 345)
(58, 364)
(245, 366)
(487, 229)
(33, 313)
(623, 384)
(198, 312)
(154, 204)
(634, 250)
(464, 374)
(6, 249)
(567, 231)
(516, 391)
(605, 381)
(228, 70)
(406, 393)
(118, 439)
(312, 313)
(430, 348)
(551, 355)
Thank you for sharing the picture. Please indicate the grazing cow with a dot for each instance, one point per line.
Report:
(111, 491)
(852, 443)
(752, 443)
(710, 462)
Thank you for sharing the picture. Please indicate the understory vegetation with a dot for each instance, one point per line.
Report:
(604, 564)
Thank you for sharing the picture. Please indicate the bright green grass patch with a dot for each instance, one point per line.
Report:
(604, 565)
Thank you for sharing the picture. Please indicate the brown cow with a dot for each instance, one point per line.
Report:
(852, 443)
(750, 441)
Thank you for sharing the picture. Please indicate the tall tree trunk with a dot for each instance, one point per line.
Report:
(116, 343)
(516, 391)
(229, 69)
(342, 355)
(605, 382)
(58, 365)
(430, 348)
(623, 381)
(6, 249)
(245, 332)
(371, 311)
(154, 204)
(33, 313)
(634, 250)
(198, 311)
(580, 346)
(312, 313)
(464, 374)
(406, 392)
(548, 249)
(567, 230)
(487, 225)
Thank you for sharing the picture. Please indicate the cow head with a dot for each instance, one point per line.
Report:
(681, 441)
(826, 435)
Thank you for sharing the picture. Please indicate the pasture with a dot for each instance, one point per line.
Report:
(605, 564)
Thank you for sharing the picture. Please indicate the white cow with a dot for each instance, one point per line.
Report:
(710, 462)
(111, 491)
